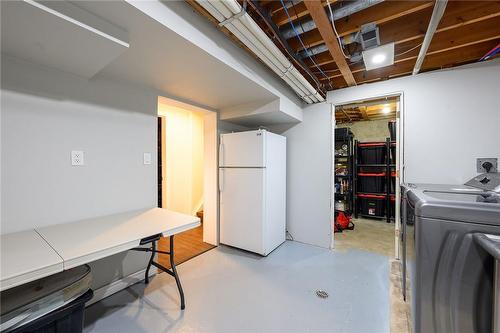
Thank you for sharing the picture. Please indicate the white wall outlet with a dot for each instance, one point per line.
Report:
(146, 158)
(77, 158)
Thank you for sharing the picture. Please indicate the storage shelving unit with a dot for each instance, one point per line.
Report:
(344, 160)
(388, 169)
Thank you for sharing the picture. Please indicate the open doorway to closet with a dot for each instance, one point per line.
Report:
(187, 174)
(366, 175)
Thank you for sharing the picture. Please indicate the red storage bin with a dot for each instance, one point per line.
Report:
(371, 182)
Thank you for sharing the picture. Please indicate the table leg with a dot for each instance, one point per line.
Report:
(176, 276)
(153, 252)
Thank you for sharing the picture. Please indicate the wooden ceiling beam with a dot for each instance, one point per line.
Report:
(325, 28)
(362, 109)
(432, 61)
(379, 14)
(296, 12)
(402, 31)
(447, 40)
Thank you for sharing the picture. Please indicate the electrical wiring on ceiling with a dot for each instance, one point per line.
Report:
(335, 29)
(302, 43)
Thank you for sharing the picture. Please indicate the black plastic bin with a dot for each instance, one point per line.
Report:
(371, 182)
(372, 153)
(68, 319)
(392, 129)
(371, 205)
(342, 134)
(54, 304)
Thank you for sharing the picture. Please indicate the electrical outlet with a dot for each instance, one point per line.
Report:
(146, 158)
(77, 158)
(482, 163)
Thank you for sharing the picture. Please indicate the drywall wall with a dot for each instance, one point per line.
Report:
(309, 164)
(183, 156)
(46, 114)
(373, 130)
(451, 117)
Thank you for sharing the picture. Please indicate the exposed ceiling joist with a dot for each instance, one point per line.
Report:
(432, 61)
(378, 14)
(446, 40)
(325, 28)
(437, 13)
(362, 109)
(408, 31)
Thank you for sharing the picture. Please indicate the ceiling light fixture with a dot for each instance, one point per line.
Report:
(379, 56)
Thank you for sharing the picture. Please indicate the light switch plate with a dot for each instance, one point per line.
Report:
(146, 158)
(481, 161)
(77, 158)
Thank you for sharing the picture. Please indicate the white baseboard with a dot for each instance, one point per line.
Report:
(118, 285)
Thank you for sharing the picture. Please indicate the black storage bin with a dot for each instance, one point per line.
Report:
(371, 205)
(342, 134)
(68, 319)
(371, 153)
(54, 304)
(371, 182)
(392, 129)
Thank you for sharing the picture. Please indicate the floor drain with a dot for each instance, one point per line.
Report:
(321, 294)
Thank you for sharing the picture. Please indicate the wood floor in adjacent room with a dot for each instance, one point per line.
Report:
(187, 245)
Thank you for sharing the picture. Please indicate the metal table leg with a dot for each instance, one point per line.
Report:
(172, 271)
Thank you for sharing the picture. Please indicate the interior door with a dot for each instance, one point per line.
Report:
(242, 207)
(242, 149)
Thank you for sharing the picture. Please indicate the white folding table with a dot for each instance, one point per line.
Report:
(33, 254)
(24, 257)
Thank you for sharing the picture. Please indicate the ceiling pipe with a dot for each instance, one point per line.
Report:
(249, 33)
(264, 15)
(339, 13)
(220, 17)
(437, 13)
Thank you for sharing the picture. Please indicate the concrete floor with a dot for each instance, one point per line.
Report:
(228, 290)
(372, 235)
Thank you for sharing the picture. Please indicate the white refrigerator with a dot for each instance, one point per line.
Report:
(252, 186)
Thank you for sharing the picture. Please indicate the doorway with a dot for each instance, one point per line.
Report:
(187, 174)
(366, 174)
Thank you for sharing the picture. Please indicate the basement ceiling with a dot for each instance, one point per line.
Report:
(466, 32)
(375, 109)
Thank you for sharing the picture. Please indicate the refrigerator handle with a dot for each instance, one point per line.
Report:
(221, 153)
(221, 180)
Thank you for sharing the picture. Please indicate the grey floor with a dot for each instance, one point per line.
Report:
(228, 290)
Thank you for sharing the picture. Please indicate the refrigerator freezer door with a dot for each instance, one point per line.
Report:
(242, 208)
(242, 149)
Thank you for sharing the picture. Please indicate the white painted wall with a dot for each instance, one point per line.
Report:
(46, 114)
(309, 146)
(451, 118)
